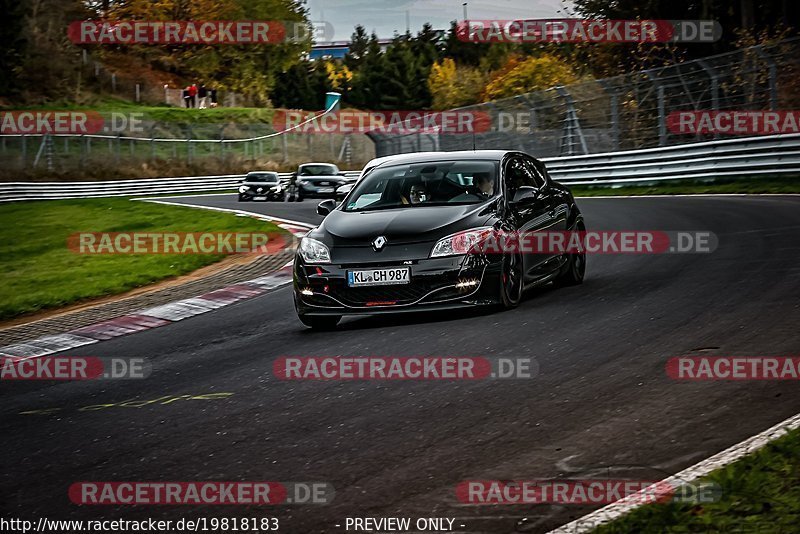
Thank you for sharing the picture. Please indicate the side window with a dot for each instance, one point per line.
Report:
(537, 174)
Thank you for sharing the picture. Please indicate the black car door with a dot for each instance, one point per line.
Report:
(531, 212)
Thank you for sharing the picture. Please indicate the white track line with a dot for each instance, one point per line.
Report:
(230, 210)
(623, 506)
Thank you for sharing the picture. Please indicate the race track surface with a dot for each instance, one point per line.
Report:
(602, 405)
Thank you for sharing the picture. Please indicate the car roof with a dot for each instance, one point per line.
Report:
(421, 157)
(261, 172)
(329, 164)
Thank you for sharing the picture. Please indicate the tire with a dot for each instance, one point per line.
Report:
(320, 322)
(511, 283)
(573, 272)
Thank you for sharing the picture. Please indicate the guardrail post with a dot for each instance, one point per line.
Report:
(24, 152)
(117, 148)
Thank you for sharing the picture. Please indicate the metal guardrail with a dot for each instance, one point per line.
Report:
(15, 191)
(751, 156)
(746, 157)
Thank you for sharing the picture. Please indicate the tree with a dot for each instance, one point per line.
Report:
(454, 86)
(531, 74)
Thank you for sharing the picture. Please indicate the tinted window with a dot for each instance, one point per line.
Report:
(434, 183)
(318, 170)
(262, 178)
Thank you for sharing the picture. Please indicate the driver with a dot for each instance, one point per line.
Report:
(418, 194)
(484, 183)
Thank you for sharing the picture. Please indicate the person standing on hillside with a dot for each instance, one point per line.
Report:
(203, 96)
(186, 97)
(193, 95)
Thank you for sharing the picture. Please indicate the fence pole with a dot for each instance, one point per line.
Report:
(614, 110)
(773, 77)
(113, 82)
(138, 93)
(714, 79)
(24, 154)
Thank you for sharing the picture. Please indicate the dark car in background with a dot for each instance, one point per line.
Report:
(318, 180)
(261, 185)
(405, 237)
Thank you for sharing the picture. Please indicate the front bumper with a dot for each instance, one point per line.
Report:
(311, 191)
(436, 283)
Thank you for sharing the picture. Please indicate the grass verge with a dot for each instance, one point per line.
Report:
(40, 272)
(759, 493)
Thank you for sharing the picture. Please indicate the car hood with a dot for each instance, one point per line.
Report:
(402, 224)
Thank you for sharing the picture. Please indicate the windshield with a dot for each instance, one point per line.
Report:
(271, 178)
(318, 170)
(425, 184)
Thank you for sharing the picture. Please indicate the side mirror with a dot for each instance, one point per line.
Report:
(525, 195)
(326, 206)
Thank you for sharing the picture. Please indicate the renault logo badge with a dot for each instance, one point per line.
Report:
(379, 243)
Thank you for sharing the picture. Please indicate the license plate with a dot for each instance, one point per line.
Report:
(379, 277)
(259, 198)
(326, 190)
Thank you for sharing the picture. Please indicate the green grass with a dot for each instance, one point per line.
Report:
(39, 272)
(759, 493)
(164, 113)
(744, 185)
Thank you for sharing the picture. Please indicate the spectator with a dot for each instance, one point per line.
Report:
(186, 97)
(193, 95)
(213, 94)
(203, 96)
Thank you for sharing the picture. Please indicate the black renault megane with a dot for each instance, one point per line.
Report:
(407, 237)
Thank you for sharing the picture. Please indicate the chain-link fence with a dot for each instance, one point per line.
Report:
(625, 112)
(213, 147)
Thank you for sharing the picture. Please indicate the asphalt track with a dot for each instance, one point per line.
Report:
(601, 406)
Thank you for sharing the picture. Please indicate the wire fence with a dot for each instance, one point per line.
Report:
(626, 112)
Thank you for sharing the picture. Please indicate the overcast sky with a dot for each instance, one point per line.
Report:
(386, 16)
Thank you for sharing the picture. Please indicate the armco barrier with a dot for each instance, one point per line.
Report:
(746, 157)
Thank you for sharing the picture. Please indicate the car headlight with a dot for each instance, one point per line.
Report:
(314, 251)
(302, 182)
(243, 189)
(461, 243)
(276, 189)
